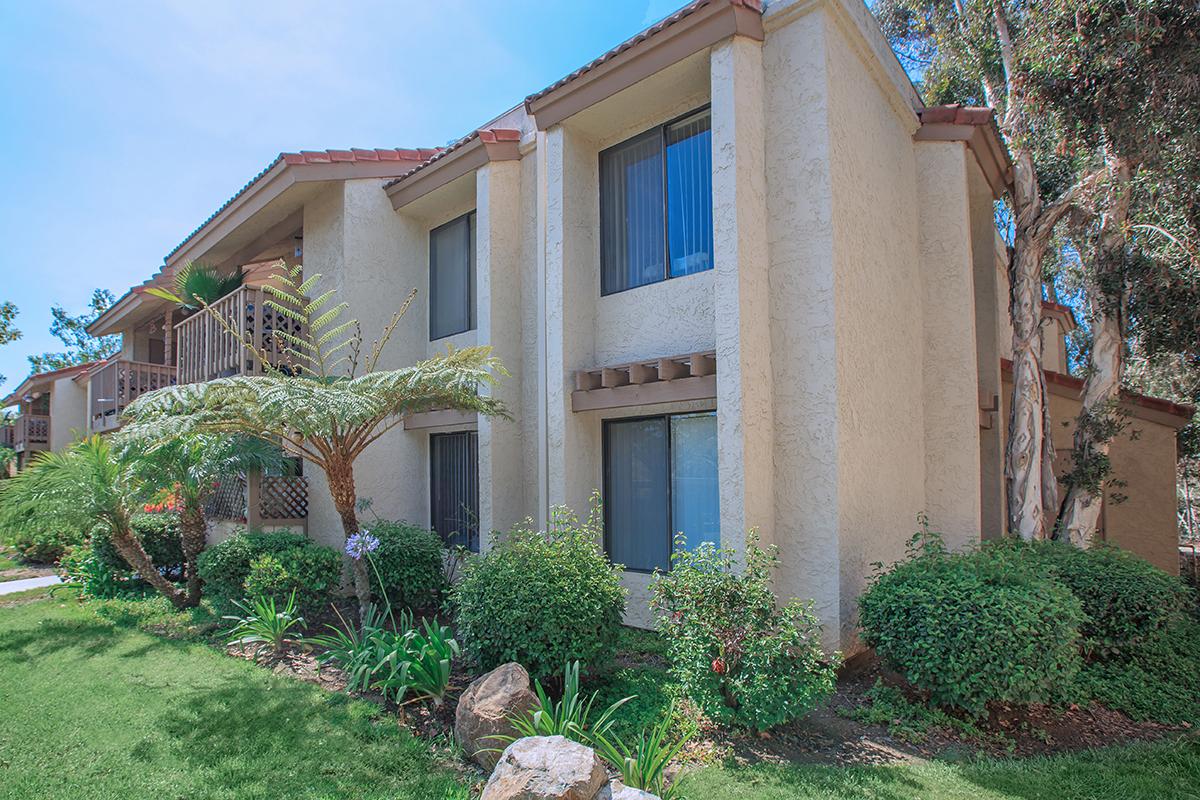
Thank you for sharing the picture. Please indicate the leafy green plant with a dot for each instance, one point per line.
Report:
(159, 535)
(421, 665)
(905, 719)
(360, 650)
(95, 576)
(299, 564)
(570, 716)
(198, 285)
(742, 659)
(409, 561)
(976, 627)
(643, 762)
(542, 599)
(263, 625)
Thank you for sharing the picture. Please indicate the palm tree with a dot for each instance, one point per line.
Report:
(316, 403)
(190, 467)
(198, 286)
(89, 483)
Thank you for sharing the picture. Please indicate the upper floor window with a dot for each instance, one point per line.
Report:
(452, 277)
(656, 205)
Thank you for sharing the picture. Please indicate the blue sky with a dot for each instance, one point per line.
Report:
(124, 125)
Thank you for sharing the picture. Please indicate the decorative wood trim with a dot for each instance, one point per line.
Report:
(645, 394)
(664, 380)
(442, 418)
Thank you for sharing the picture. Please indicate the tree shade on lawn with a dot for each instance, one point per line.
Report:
(92, 710)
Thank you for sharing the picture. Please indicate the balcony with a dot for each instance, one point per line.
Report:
(206, 350)
(31, 432)
(119, 383)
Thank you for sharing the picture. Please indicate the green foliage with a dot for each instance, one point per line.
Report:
(275, 564)
(1127, 602)
(542, 599)
(95, 575)
(361, 651)
(737, 655)
(159, 535)
(199, 285)
(973, 627)
(905, 719)
(570, 716)
(263, 625)
(40, 538)
(642, 763)
(410, 561)
(81, 346)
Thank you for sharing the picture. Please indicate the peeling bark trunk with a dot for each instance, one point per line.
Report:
(341, 486)
(130, 548)
(1102, 388)
(192, 538)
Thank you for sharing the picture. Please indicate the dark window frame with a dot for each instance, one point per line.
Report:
(472, 220)
(605, 482)
(661, 130)
(433, 490)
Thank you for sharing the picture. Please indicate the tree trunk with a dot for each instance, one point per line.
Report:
(192, 537)
(130, 548)
(341, 486)
(1028, 449)
(1102, 389)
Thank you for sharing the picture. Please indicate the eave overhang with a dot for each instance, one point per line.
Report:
(464, 156)
(976, 127)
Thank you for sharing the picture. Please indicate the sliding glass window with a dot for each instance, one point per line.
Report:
(656, 205)
(660, 478)
(452, 277)
(454, 488)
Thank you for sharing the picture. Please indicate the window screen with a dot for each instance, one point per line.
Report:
(454, 488)
(452, 277)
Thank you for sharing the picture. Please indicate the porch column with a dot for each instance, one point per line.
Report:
(743, 335)
(498, 323)
(169, 337)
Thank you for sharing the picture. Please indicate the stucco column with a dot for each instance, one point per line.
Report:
(743, 335)
(950, 371)
(498, 322)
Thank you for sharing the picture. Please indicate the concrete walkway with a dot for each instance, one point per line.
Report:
(12, 587)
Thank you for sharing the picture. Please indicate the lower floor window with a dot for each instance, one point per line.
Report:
(454, 488)
(660, 478)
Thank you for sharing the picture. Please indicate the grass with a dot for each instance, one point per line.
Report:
(93, 709)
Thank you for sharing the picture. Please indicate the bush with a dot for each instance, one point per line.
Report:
(159, 534)
(736, 654)
(1127, 602)
(411, 561)
(542, 599)
(272, 564)
(43, 541)
(974, 627)
(96, 577)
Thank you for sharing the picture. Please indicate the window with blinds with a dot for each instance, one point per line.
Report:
(660, 478)
(656, 205)
(454, 488)
(452, 277)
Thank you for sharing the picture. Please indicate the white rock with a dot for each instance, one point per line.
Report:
(546, 768)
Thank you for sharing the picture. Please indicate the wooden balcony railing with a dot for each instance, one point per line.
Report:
(119, 383)
(207, 351)
(32, 432)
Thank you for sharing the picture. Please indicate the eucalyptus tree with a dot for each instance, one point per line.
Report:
(1120, 77)
(329, 400)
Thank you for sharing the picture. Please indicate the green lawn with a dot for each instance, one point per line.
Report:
(94, 709)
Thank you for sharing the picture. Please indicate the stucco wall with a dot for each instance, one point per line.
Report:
(68, 412)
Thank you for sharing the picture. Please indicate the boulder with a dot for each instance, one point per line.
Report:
(546, 768)
(619, 791)
(484, 709)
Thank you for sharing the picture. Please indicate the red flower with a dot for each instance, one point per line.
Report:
(718, 666)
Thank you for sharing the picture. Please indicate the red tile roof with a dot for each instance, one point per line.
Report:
(956, 114)
(486, 135)
(304, 157)
(654, 29)
(1145, 401)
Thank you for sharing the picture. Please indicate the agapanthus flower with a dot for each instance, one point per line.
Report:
(361, 543)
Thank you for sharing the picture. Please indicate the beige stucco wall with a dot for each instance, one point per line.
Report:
(68, 412)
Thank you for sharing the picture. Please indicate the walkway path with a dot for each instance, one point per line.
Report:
(11, 587)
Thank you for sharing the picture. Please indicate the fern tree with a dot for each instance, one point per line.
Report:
(190, 467)
(329, 401)
(92, 483)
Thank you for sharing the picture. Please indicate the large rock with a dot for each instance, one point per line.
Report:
(484, 709)
(546, 768)
(619, 791)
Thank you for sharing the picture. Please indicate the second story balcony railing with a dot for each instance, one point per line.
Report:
(206, 350)
(32, 432)
(119, 383)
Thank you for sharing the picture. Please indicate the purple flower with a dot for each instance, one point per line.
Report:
(359, 544)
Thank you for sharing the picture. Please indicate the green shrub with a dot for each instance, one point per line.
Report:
(96, 577)
(742, 659)
(1126, 601)
(296, 562)
(40, 540)
(411, 561)
(542, 599)
(311, 573)
(974, 627)
(159, 534)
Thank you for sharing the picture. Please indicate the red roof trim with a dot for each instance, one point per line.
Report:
(488, 136)
(1145, 401)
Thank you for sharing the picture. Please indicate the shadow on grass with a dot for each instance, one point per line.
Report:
(83, 638)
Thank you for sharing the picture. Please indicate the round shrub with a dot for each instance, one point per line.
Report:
(411, 561)
(96, 577)
(314, 573)
(1126, 600)
(541, 599)
(159, 534)
(738, 656)
(974, 627)
(39, 539)
(226, 566)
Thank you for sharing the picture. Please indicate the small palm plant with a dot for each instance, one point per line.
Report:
(198, 286)
(421, 666)
(571, 716)
(262, 625)
(319, 404)
(643, 764)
